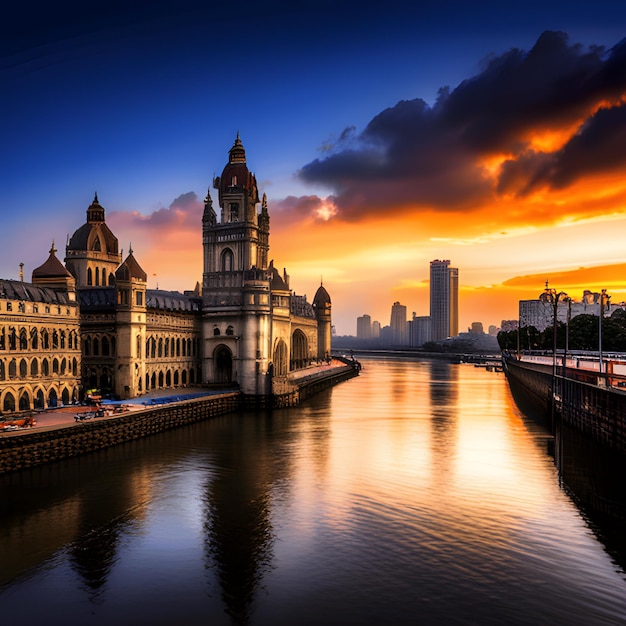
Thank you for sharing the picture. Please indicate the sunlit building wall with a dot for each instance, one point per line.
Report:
(399, 328)
(444, 300)
(364, 327)
(419, 330)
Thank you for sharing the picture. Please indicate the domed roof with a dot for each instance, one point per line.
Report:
(321, 297)
(130, 269)
(236, 176)
(95, 234)
(52, 268)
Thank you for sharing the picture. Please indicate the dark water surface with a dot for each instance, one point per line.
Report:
(417, 493)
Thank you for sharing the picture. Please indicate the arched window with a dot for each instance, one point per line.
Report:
(96, 245)
(34, 368)
(23, 339)
(55, 340)
(63, 367)
(24, 401)
(12, 368)
(178, 347)
(39, 400)
(104, 276)
(160, 348)
(12, 339)
(105, 346)
(227, 260)
(96, 346)
(160, 379)
(2, 372)
(55, 366)
(34, 339)
(139, 347)
(176, 378)
(229, 330)
(45, 339)
(23, 368)
(216, 331)
(8, 406)
(168, 379)
(45, 367)
(74, 367)
(89, 276)
(65, 396)
(62, 340)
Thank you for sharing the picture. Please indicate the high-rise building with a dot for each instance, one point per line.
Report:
(444, 300)
(399, 327)
(364, 327)
(375, 330)
(419, 330)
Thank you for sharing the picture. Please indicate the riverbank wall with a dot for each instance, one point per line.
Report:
(598, 410)
(28, 448)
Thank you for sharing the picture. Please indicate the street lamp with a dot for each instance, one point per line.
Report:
(603, 297)
(553, 296)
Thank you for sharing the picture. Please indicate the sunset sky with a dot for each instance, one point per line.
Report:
(385, 135)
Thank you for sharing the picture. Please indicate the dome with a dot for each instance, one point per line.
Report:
(130, 270)
(321, 297)
(52, 268)
(236, 177)
(95, 234)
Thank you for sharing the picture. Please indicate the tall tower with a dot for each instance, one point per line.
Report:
(236, 280)
(130, 318)
(398, 323)
(323, 315)
(444, 300)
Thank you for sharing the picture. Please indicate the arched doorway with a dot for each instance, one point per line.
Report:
(299, 350)
(223, 365)
(280, 359)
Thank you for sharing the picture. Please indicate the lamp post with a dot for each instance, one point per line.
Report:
(553, 296)
(567, 321)
(603, 297)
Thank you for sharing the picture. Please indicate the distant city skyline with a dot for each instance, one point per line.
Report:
(387, 136)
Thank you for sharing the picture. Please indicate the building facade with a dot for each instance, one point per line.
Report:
(444, 300)
(92, 324)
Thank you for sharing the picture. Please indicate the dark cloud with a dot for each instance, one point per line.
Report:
(434, 156)
(310, 206)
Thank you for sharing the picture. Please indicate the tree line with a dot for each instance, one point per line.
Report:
(582, 334)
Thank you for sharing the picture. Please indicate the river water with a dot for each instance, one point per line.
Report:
(417, 493)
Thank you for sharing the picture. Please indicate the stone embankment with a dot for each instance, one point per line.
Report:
(24, 449)
(46, 444)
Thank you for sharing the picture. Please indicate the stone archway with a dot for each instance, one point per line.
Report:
(299, 350)
(223, 358)
(280, 359)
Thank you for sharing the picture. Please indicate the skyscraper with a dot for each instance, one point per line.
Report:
(444, 300)
(364, 327)
(399, 328)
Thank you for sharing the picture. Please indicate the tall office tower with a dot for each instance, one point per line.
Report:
(364, 327)
(375, 330)
(444, 300)
(399, 327)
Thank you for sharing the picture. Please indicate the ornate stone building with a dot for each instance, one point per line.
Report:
(94, 325)
(255, 330)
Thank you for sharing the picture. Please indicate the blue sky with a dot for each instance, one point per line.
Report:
(142, 101)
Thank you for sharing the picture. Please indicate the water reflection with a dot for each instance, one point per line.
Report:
(415, 493)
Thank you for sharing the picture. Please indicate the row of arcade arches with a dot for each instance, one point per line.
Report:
(27, 398)
(35, 367)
